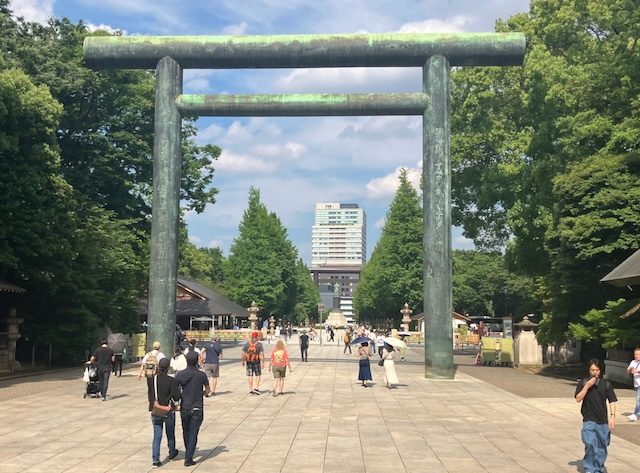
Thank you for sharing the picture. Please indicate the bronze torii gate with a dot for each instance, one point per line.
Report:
(434, 53)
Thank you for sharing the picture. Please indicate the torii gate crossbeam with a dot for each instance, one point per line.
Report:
(435, 53)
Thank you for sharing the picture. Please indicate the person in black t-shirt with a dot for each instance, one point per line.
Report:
(103, 357)
(594, 392)
(304, 346)
(195, 385)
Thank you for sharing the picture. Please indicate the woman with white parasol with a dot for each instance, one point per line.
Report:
(388, 356)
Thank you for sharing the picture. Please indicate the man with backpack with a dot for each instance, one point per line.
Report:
(149, 368)
(253, 357)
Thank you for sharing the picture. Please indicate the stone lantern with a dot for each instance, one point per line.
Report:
(272, 325)
(527, 351)
(406, 317)
(253, 318)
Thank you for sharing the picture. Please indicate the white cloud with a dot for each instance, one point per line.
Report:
(38, 11)
(197, 85)
(460, 242)
(383, 187)
(210, 133)
(215, 244)
(369, 79)
(239, 163)
(196, 240)
(290, 150)
(379, 224)
(455, 24)
(108, 28)
(237, 29)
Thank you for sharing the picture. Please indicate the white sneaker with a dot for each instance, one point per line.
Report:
(633, 417)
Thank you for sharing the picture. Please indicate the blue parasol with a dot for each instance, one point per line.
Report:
(359, 340)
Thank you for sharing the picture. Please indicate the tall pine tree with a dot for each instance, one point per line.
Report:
(393, 276)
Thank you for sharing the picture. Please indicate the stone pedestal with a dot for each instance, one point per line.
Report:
(336, 319)
(527, 352)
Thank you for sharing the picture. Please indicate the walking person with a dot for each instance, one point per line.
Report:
(380, 343)
(212, 354)
(253, 358)
(594, 392)
(331, 333)
(304, 346)
(390, 376)
(364, 371)
(178, 362)
(118, 362)
(195, 385)
(149, 367)
(347, 342)
(166, 392)
(278, 363)
(634, 369)
(103, 357)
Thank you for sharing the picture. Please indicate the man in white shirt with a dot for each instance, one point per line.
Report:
(149, 367)
(634, 369)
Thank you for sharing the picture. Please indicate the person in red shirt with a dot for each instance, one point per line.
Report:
(278, 363)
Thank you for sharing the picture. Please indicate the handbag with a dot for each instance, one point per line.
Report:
(158, 410)
(381, 363)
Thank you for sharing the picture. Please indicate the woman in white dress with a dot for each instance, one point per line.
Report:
(390, 376)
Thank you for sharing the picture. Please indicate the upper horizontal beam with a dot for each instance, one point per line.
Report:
(289, 51)
(302, 105)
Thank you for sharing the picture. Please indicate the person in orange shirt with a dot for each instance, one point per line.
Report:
(278, 363)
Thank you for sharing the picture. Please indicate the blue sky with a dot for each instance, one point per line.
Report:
(295, 162)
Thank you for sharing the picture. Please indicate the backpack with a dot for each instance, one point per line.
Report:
(251, 355)
(151, 365)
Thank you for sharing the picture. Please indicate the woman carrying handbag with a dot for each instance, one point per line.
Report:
(167, 392)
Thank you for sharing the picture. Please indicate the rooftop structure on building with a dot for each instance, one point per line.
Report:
(339, 235)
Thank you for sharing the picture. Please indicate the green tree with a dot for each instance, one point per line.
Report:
(482, 285)
(307, 294)
(595, 224)
(616, 325)
(252, 271)
(393, 276)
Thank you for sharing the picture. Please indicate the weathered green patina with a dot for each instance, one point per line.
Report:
(436, 169)
(435, 53)
(302, 105)
(167, 170)
(347, 50)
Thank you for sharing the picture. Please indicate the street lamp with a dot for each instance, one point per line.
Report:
(406, 316)
(320, 311)
(253, 318)
(505, 291)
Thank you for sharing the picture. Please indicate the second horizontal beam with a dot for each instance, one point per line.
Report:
(302, 105)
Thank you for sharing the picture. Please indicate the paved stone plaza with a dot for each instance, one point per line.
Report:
(325, 422)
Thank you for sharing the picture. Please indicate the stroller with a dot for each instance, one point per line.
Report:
(92, 381)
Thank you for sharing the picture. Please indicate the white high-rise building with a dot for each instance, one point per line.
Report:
(339, 250)
(339, 235)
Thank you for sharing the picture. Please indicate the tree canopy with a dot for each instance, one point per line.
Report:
(263, 266)
(76, 166)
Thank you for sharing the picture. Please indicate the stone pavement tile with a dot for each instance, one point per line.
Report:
(10, 452)
(304, 469)
(505, 469)
(25, 460)
(534, 465)
(462, 465)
